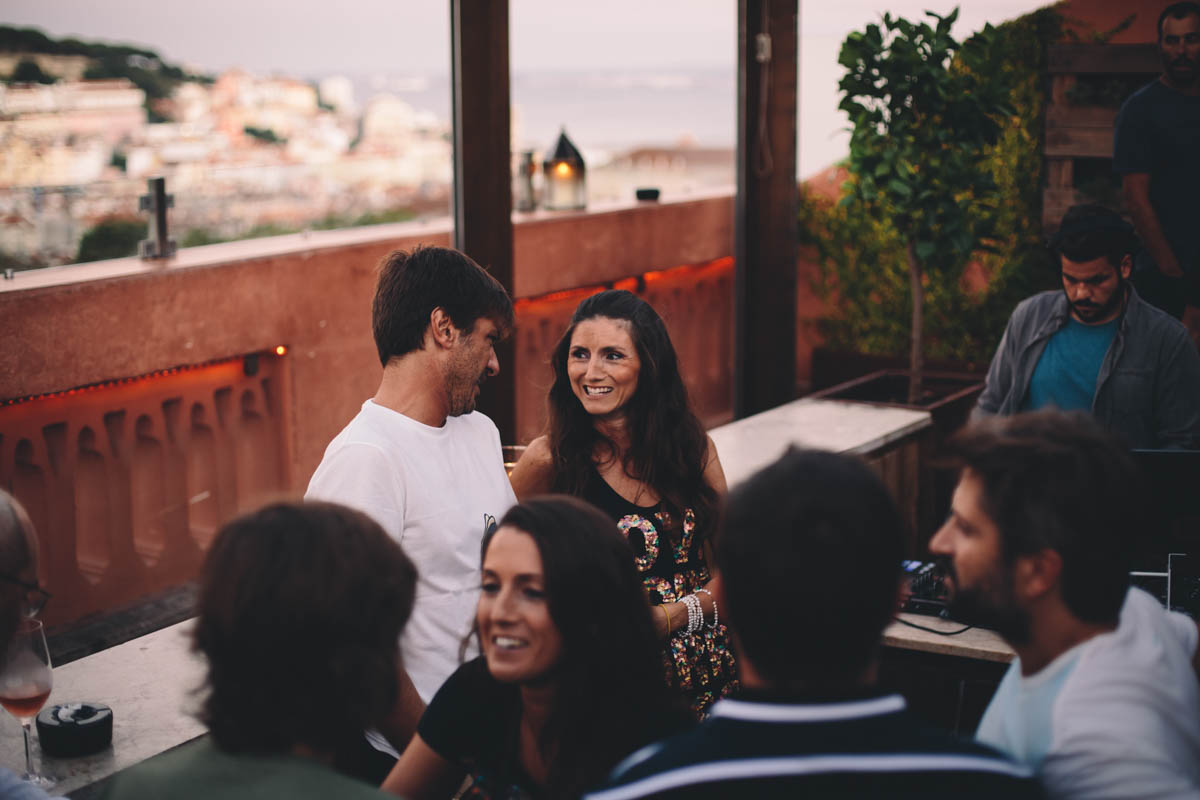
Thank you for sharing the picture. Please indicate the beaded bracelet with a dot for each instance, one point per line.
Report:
(695, 613)
(716, 616)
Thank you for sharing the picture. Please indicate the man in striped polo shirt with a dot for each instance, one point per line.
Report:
(809, 572)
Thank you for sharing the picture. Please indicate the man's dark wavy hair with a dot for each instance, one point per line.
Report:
(668, 446)
(1090, 231)
(1059, 481)
(1176, 11)
(299, 613)
(611, 696)
(412, 284)
(809, 552)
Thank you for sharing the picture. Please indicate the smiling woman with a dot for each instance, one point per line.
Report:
(566, 687)
(622, 435)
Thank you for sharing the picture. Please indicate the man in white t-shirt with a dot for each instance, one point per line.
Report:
(420, 460)
(1102, 699)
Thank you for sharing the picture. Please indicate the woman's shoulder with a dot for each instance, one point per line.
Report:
(467, 713)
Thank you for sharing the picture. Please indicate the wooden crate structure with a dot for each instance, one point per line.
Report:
(1076, 132)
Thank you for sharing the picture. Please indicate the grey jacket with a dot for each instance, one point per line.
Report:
(1148, 389)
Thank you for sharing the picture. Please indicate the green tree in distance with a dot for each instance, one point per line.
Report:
(28, 71)
(925, 110)
(116, 237)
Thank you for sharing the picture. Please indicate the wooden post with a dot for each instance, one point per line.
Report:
(765, 211)
(482, 169)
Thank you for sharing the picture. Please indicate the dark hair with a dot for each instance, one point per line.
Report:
(1090, 231)
(412, 284)
(809, 553)
(611, 695)
(1060, 482)
(299, 614)
(1177, 11)
(668, 446)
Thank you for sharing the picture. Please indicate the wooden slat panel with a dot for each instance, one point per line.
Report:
(1079, 142)
(1065, 116)
(1082, 59)
(1060, 173)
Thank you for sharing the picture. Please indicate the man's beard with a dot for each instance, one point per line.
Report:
(464, 403)
(1181, 72)
(1086, 312)
(991, 605)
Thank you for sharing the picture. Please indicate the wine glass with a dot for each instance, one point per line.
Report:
(25, 682)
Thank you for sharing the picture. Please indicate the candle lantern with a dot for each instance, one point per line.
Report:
(564, 187)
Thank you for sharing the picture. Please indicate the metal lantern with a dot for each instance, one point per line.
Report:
(564, 185)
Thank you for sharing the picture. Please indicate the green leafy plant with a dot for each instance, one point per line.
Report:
(924, 111)
(115, 237)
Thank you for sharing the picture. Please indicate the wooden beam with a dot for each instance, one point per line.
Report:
(482, 168)
(765, 224)
(1104, 59)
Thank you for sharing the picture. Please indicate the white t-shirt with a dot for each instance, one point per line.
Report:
(434, 490)
(1117, 716)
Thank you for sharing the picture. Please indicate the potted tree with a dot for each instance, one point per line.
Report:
(925, 110)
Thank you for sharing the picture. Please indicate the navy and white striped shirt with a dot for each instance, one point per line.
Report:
(766, 746)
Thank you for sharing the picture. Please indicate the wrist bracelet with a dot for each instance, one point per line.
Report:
(668, 616)
(716, 616)
(695, 614)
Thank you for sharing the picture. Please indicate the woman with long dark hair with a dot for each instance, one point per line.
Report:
(568, 683)
(622, 435)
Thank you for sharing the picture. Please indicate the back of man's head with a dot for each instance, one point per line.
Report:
(1060, 482)
(18, 560)
(412, 284)
(1177, 11)
(1090, 231)
(809, 553)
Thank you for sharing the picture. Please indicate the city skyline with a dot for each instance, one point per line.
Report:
(314, 39)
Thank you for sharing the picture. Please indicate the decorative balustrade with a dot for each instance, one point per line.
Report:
(128, 481)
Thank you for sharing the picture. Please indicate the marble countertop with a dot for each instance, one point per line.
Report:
(978, 643)
(751, 443)
(149, 684)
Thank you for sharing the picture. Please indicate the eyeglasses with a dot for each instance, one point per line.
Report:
(35, 596)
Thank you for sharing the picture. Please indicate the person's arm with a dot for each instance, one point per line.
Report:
(534, 472)
(1177, 382)
(714, 475)
(422, 774)
(999, 377)
(677, 613)
(1135, 186)
(400, 726)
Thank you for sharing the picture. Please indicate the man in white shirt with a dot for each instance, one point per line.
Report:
(1102, 699)
(420, 460)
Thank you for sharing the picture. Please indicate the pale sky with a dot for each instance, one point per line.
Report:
(315, 37)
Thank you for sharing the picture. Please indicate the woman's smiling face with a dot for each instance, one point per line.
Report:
(603, 365)
(519, 638)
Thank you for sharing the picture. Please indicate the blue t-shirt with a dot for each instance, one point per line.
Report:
(1065, 375)
(1158, 133)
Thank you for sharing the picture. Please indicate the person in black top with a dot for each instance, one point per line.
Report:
(623, 436)
(568, 683)
(809, 569)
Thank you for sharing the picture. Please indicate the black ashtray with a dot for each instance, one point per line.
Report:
(75, 729)
(647, 194)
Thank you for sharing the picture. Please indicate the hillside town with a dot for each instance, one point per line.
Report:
(240, 152)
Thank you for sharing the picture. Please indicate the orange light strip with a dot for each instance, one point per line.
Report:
(629, 284)
(158, 373)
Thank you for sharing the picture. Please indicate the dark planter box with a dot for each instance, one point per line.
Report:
(949, 398)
